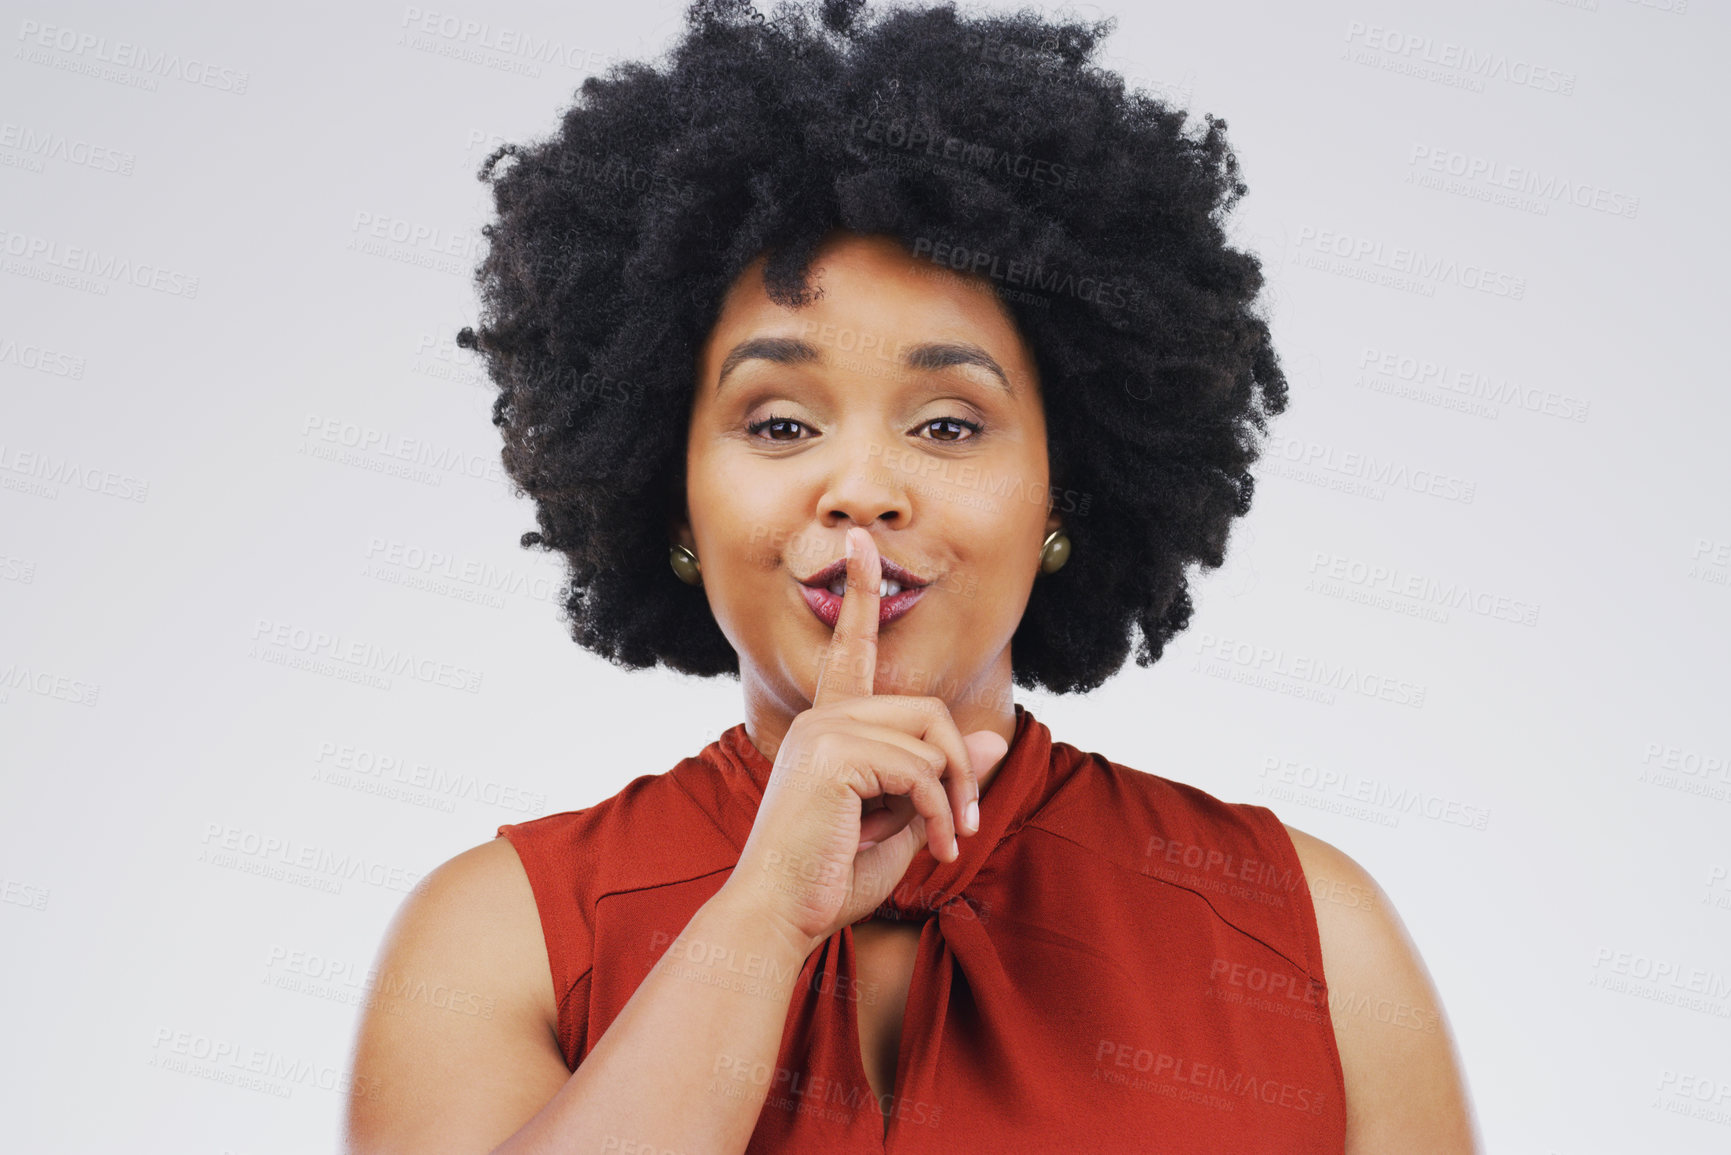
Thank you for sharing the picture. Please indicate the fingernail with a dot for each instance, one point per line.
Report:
(868, 845)
(955, 848)
(974, 815)
(848, 539)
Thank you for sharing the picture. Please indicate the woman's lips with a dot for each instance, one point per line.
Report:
(827, 606)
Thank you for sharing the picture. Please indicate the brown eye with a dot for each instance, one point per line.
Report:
(973, 427)
(779, 421)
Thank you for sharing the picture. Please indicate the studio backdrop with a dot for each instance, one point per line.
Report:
(270, 650)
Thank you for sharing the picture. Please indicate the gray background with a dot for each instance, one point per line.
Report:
(180, 510)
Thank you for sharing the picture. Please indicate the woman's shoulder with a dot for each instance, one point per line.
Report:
(460, 986)
(1315, 903)
(513, 916)
(643, 796)
(1397, 1051)
(1179, 824)
(1160, 822)
(468, 938)
(1237, 857)
(601, 846)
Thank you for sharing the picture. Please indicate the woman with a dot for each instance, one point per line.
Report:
(827, 305)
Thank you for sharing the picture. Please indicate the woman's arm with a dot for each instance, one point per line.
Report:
(1404, 1087)
(673, 1071)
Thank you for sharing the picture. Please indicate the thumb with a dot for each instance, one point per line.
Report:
(985, 748)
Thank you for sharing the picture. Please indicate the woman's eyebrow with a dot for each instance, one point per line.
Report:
(781, 350)
(928, 356)
(942, 354)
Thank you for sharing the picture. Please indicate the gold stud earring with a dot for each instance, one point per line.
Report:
(1054, 551)
(685, 564)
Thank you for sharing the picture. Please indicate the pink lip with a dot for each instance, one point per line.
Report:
(827, 606)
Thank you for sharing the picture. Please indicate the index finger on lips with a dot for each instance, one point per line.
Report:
(851, 660)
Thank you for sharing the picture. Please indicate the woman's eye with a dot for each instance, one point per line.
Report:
(784, 423)
(973, 427)
(769, 421)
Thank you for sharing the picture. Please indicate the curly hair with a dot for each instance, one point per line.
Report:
(987, 145)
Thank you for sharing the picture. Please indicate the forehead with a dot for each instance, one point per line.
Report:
(870, 291)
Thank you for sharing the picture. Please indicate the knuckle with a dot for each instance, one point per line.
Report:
(825, 756)
(926, 766)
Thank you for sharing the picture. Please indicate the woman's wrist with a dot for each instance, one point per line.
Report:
(741, 912)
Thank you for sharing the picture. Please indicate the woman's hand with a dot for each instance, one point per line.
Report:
(859, 782)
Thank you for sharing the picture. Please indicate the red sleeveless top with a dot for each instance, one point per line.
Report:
(1117, 962)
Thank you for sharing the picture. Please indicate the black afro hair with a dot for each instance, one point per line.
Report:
(984, 143)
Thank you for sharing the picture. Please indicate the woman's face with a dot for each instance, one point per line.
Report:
(807, 422)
